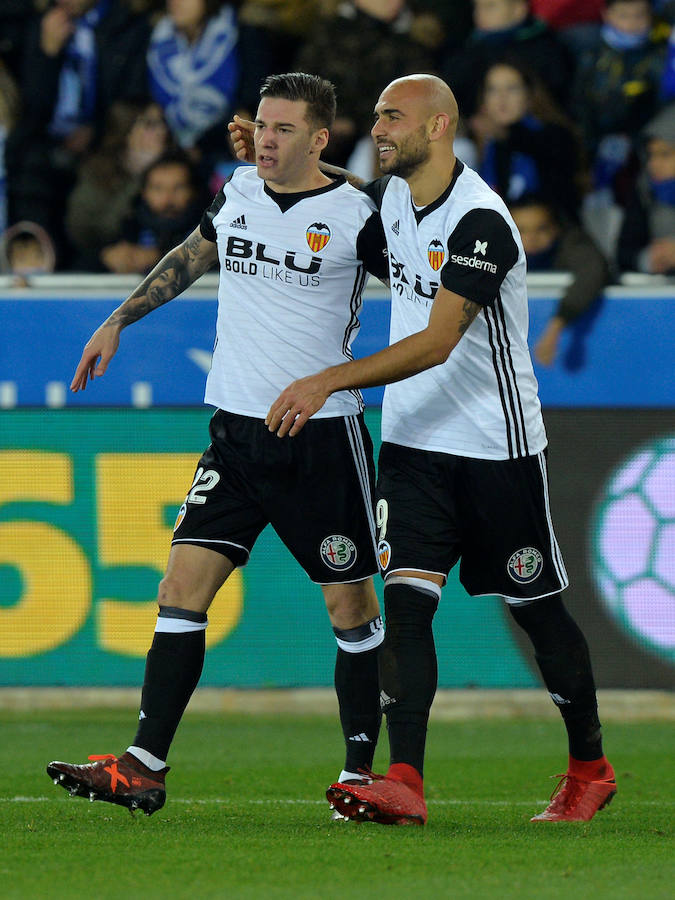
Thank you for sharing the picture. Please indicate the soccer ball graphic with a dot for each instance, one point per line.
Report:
(633, 546)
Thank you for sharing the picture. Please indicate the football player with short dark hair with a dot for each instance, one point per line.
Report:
(294, 248)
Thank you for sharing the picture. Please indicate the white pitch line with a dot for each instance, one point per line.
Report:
(224, 801)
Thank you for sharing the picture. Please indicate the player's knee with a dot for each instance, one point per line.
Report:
(547, 623)
(410, 603)
(350, 606)
(182, 593)
(532, 614)
(367, 636)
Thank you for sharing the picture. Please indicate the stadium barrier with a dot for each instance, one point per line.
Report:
(90, 485)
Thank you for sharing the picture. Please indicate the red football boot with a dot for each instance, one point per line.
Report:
(124, 781)
(396, 798)
(580, 793)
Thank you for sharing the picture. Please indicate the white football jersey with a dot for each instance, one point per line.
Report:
(292, 270)
(483, 401)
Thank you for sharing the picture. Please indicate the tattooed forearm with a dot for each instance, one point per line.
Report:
(171, 276)
(164, 283)
(469, 312)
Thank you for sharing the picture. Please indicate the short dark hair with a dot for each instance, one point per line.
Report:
(318, 94)
(533, 198)
(171, 158)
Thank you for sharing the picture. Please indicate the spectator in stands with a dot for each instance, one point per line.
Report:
(500, 27)
(9, 109)
(26, 249)
(15, 16)
(442, 24)
(553, 244)
(525, 142)
(80, 57)
(665, 10)
(576, 22)
(110, 179)
(163, 216)
(271, 34)
(647, 237)
(362, 46)
(193, 70)
(668, 81)
(617, 88)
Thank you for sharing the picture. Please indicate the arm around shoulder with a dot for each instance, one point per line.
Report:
(451, 315)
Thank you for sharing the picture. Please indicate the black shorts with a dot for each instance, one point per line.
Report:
(315, 489)
(435, 508)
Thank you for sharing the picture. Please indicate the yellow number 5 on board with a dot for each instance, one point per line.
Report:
(133, 490)
(54, 571)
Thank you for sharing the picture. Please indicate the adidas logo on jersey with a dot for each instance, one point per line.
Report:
(362, 738)
(385, 700)
(239, 222)
(396, 226)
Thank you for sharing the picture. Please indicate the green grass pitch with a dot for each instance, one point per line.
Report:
(245, 815)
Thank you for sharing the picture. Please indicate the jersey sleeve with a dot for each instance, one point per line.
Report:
(375, 189)
(206, 224)
(481, 251)
(371, 247)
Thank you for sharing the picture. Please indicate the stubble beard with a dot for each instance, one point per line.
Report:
(412, 153)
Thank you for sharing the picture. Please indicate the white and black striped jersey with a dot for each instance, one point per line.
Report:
(292, 270)
(483, 401)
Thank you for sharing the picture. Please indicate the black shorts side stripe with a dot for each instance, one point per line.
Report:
(556, 555)
(361, 463)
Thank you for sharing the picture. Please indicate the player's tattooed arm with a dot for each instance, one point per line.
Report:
(176, 271)
(469, 312)
(450, 317)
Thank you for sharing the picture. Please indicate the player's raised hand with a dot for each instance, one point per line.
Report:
(97, 353)
(241, 133)
(296, 404)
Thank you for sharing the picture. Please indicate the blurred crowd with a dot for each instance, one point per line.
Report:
(113, 117)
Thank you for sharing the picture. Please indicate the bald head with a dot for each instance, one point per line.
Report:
(429, 93)
(414, 130)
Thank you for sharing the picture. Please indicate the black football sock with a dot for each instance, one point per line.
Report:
(358, 691)
(408, 666)
(562, 655)
(172, 670)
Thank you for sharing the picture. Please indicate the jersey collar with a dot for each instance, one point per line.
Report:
(286, 201)
(439, 201)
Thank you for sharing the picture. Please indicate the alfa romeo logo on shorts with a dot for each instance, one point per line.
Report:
(525, 565)
(384, 554)
(338, 552)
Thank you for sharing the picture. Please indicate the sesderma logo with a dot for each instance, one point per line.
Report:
(474, 263)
